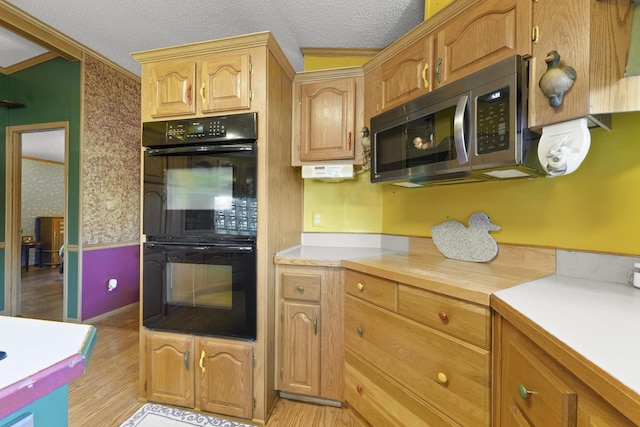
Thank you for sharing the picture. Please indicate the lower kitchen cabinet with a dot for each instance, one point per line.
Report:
(410, 359)
(310, 350)
(208, 374)
(531, 388)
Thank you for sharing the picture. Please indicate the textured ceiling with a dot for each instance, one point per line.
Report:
(116, 28)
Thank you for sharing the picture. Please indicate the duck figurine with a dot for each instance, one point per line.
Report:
(557, 79)
(456, 241)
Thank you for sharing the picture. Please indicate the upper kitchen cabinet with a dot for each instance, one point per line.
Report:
(464, 37)
(328, 116)
(407, 75)
(197, 86)
(480, 36)
(593, 38)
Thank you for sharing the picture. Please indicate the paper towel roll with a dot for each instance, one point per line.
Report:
(563, 146)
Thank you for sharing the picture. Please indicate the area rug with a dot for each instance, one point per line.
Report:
(154, 415)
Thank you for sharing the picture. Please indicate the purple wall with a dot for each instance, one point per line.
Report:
(98, 266)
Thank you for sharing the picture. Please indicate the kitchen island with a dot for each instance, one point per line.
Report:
(41, 358)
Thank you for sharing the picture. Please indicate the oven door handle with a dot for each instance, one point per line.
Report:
(201, 149)
(203, 248)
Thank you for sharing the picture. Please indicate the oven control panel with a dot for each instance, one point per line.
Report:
(207, 129)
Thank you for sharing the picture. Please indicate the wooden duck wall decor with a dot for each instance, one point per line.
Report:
(557, 79)
(474, 243)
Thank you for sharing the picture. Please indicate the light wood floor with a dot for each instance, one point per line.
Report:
(106, 395)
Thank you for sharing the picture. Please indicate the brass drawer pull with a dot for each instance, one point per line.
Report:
(425, 82)
(301, 289)
(442, 378)
(202, 362)
(360, 287)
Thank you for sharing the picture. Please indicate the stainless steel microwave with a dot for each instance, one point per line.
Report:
(473, 129)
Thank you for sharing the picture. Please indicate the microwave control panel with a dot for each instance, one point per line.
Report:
(492, 121)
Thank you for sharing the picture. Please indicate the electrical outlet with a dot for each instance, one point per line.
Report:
(317, 219)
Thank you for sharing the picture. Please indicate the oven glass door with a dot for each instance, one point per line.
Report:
(198, 195)
(203, 289)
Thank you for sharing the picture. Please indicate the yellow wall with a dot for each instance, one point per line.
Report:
(595, 208)
(347, 206)
(433, 6)
(322, 62)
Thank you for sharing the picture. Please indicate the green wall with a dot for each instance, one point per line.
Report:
(51, 93)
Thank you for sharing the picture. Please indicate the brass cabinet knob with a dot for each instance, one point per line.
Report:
(442, 378)
(360, 286)
(301, 289)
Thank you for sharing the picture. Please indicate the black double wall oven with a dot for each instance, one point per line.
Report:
(200, 222)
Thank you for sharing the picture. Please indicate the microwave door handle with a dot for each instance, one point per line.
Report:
(458, 130)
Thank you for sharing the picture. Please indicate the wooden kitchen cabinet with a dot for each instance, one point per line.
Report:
(197, 86)
(327, 116)
(400, 370)
(532, 388)
(593, 38)
(170, 369)
(482, 35)
(407, 75)
(50, 231)
(310, 350)
(225, 377)
(207, 374)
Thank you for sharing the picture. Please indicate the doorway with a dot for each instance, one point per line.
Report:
(42, 149)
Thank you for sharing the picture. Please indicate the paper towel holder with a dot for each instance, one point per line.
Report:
(564, 146)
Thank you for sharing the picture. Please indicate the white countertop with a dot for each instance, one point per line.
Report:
(320, 253)
(330, 249)
(599, 320)
(41, 355)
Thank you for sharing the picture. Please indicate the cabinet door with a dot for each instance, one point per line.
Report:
(226, 377)
(170, 369)
(563, 27)
(533, 393)
(172, 86)
(300, 364)
(225, 82)
(482, 35)
(327, 120)
(408, 74)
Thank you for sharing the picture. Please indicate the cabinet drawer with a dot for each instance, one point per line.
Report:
(301, 286)
(526, 368)
(384, 403)
(381, 292)
(448, 373)
(469, 322)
